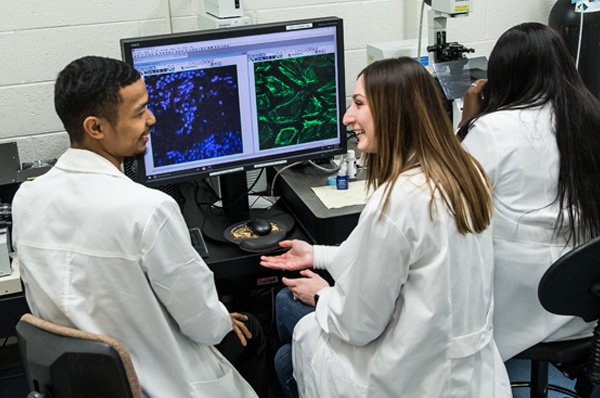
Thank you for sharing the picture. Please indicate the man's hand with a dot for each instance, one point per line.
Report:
(300, 256)
(240, 329)
(305, 288)
(473, 97)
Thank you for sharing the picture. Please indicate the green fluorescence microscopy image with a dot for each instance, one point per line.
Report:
(296, 100)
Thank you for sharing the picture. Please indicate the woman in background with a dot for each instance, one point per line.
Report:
(411, 309)
(536, 131)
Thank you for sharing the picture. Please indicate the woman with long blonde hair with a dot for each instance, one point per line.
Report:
(410, 312)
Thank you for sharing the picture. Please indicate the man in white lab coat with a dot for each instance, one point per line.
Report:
(103, 254)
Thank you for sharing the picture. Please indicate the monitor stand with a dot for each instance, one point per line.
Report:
(234, 196)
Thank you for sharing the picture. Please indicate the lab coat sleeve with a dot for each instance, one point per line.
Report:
(481, 142)
(324, 256)
(359, 306)
(180, 279)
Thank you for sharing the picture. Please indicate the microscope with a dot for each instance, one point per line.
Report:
(454, 71)
(437, 19)
(441, 50)
(447, 60)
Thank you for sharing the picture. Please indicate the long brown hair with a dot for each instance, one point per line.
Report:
(412, 130)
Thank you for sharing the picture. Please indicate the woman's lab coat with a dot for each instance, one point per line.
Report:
(103, 254)
(410, 314)
(518, 150)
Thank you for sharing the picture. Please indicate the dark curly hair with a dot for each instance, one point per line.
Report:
(90, 86)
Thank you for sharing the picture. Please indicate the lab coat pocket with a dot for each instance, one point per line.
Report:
(335, 368)
(216, 387)
(470, 344)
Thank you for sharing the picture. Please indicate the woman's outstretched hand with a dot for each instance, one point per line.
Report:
(299, 257)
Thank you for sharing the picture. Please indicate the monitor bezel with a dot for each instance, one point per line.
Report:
(257, 162)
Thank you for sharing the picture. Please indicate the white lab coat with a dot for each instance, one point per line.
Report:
(410, 314)
(103, 254)
(518, 151)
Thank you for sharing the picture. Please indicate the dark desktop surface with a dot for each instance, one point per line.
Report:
(235, 270)
(322, 225)
(12, 307)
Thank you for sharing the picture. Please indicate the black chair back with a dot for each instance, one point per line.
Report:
(59, 366)
(571, 286)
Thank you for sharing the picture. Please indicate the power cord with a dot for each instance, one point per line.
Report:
(310, 162)
(420, 31)
(212, 205)
(323, 168)
(281, 171)
(580, 37)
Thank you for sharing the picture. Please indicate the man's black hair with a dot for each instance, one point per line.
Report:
(90, 86)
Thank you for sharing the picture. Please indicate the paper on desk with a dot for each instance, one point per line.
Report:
(334, 198)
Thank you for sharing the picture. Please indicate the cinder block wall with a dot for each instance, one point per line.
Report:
(38, 38)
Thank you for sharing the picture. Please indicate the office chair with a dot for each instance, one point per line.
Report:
(568, 356)
(61, 362)
(571, 286)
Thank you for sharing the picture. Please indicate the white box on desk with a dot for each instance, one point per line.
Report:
(11, 284)
(4, 250)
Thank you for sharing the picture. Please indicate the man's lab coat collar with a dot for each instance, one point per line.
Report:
(82, 160)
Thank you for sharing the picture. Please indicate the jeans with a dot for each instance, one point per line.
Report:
(288, 312)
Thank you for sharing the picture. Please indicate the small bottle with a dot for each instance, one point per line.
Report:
(351, 159)
(342, 178)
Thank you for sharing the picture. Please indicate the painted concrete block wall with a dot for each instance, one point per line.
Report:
(38, 38)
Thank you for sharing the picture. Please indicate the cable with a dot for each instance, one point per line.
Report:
(212, 205)
(310, 162)
(279, 172)
(273, 305)
(167, 4)
(420, 31)
(351, 134)
(593, 364)
(12, 376)
(247, 191)
(323, 168)
(580, 37)
(206, 188)
(264, 197)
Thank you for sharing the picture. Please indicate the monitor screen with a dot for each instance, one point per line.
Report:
(236, 99)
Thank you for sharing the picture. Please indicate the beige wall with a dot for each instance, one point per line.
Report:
(38, 38)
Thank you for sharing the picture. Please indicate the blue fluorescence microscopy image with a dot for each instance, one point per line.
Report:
(197, 115)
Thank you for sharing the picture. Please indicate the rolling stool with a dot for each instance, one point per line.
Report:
(568, 356)
(571, 286)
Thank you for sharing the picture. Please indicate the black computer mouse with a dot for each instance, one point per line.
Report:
(259, 226)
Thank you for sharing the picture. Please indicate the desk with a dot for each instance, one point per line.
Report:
(235, 270)
(323, 226)
(12, 305)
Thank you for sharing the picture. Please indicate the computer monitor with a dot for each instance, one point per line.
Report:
(237, 99)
